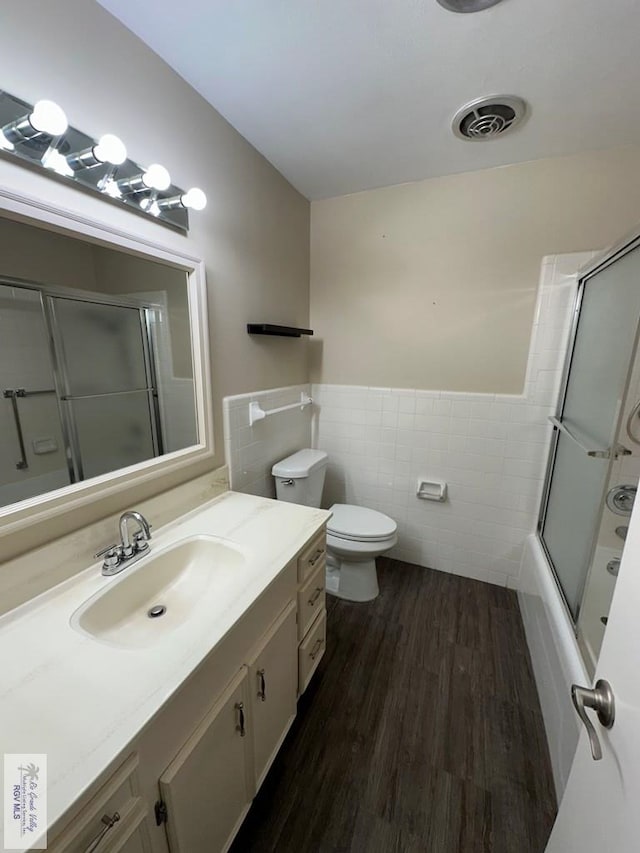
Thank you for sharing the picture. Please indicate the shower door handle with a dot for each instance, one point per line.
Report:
(601, 700)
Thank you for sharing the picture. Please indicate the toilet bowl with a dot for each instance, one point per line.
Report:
(355, 535)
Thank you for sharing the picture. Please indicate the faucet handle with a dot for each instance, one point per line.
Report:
(106, 550)
(112, 555)
(141, 542)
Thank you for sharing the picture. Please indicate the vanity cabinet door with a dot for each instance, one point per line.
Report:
(273, 687)
(206, 787)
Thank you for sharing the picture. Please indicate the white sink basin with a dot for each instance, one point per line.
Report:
(180, 580)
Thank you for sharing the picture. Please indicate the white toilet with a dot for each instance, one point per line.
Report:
(355, 535)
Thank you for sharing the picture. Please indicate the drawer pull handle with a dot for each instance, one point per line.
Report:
(108, 822)
(316, 648)
(316, 595)
(262, 688)
(313, 560)
(240, 726)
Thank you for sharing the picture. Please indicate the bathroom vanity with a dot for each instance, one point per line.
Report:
(159, 732)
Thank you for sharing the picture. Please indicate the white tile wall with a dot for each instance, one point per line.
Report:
(490, 448)
(252, 450)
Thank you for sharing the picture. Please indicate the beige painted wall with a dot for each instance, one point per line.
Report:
(253, 236)
(433, 284)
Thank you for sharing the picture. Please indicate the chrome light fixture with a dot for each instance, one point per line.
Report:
(156, 177)
(193, 199)
(41, 136)
(109, 149)
(46, 118)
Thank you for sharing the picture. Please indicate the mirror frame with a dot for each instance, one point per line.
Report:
(32, 211)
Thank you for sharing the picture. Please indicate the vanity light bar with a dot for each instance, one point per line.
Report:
(41, 135)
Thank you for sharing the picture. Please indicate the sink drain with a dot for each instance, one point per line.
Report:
(156, 610)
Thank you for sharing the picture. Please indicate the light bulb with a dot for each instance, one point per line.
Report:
(57, 163)
(110, 149)
(156, 177)
(110, 188)
(47, 117)
(195, 199)
(150, 205)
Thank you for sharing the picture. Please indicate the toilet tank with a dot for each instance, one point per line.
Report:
(300, 477)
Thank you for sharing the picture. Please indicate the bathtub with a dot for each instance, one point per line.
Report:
(555, 656)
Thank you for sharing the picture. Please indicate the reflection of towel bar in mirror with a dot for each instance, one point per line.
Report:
(11, 394)
(257, 413)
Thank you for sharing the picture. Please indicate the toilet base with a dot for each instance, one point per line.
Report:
(352, 580)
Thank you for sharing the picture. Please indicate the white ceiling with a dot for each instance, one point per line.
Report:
(346, 95)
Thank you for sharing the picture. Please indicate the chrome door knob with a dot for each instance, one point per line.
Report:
(599, 699)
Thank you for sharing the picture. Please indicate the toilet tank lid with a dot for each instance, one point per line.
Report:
(300, 464)
(360, 523)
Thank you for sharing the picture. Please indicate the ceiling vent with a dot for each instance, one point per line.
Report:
(467, 5)
(488, 118)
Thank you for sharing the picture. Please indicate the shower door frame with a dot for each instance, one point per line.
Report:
(46, 293)
(603, 260)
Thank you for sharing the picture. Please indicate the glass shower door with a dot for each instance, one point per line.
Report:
(607, 324)
(33, 455)
(105, 374)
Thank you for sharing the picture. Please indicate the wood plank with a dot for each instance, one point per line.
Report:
(421, 730)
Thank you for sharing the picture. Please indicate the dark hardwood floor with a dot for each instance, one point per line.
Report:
(421, 730)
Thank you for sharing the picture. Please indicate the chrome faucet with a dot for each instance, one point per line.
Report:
(140, 539)
(128, 551)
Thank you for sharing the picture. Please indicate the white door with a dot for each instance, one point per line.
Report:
(600, 810)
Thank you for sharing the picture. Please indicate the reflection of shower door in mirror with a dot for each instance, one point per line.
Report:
(584, 439)
(32, 450)
(106, 382)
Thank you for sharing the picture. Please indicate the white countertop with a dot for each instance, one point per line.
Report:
(81, 701)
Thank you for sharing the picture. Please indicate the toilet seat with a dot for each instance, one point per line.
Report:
(359, 524)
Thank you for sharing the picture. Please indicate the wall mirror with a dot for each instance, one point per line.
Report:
(103, 368)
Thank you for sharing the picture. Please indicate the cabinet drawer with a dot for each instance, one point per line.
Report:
(312, 556)
(311, 600)
(118, 796)
(311, 651)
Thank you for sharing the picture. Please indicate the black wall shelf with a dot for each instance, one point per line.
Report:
(280, 331)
